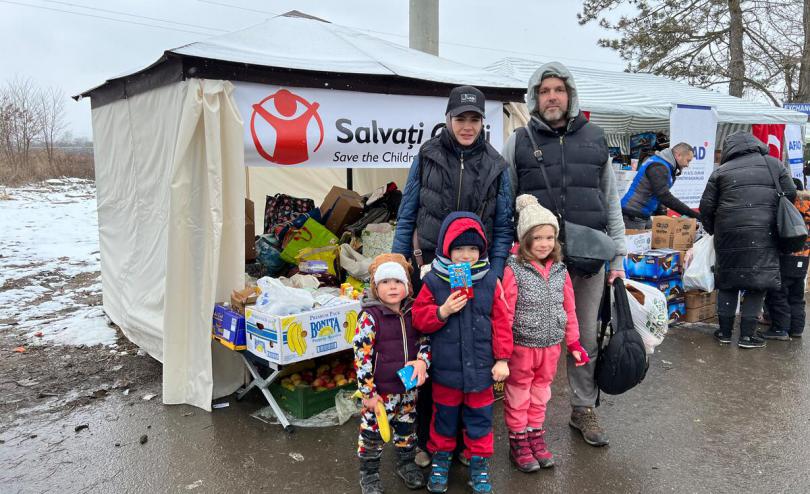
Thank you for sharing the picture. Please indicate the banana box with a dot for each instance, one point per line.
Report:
(286, 339)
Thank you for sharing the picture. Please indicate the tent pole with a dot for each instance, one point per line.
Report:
(349, 179)
(247, 182)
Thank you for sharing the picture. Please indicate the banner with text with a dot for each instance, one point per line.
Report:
(696, 125)
(303, 127)
(795, 153)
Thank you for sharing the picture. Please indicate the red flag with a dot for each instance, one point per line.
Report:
(772, 135)
(587, 114)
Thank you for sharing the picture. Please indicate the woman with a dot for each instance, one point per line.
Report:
(738, 207)
(456, 171)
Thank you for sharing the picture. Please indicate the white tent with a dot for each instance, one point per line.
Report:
(625, 103)
(171, 180)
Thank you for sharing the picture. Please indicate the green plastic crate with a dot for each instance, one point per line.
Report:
(304, 401)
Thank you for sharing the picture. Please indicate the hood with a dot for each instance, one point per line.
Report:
(558, 70)
(453, 226)
(666, 155)
(740, 144)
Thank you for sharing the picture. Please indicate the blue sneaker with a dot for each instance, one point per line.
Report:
(479, 475)
(440, 467)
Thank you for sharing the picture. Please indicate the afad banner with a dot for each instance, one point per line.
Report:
(697, 126)
(302, 127)
(795, 153)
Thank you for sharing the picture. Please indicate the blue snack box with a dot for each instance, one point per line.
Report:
(672, 288)
(461, 278)
(408, 376)
(677, 312)
(654, 264)
(229, 328)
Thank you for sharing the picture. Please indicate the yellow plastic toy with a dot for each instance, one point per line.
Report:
(382, 418)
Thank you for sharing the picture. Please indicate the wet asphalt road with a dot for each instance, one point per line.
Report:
(708, 418)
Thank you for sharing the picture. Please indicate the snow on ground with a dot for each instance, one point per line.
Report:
(49, 263)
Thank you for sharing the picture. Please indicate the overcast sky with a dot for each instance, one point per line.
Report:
(41, 40)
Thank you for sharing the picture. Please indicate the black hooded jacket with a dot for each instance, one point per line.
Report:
(739, 208)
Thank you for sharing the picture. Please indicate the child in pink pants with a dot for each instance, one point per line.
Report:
(541, 302)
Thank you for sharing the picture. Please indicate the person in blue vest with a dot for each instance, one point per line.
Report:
(650, 193)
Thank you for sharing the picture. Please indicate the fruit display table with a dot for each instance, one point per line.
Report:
(263, 384)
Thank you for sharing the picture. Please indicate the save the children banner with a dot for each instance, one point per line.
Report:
(696, 125)
(303, 127)
(795, 153)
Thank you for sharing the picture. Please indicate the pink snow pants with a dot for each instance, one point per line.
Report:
(528, 387)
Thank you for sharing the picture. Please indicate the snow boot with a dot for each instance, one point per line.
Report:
(408, 470)
(440, 468)
(520, 452)
(540, 451)
(479, 475)
(370, 481)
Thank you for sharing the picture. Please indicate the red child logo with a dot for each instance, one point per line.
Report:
(291, 145)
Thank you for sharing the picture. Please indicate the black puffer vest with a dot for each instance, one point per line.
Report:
(579, 155)
(395, 344)
(447, 187)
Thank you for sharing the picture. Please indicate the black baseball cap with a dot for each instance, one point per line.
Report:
(463, 99)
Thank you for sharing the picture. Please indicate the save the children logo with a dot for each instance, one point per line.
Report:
(285, 127)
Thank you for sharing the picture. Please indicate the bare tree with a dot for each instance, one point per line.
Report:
(51, 119)
(19, 122)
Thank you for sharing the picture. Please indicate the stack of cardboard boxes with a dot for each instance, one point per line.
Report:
(700, 306)
(661, 265)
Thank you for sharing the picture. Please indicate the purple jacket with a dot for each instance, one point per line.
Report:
(396, 343)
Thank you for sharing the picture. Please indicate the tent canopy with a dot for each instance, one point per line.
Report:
(623, 102)
(298, 50)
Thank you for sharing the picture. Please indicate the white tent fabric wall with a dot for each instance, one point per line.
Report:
(134, 141)
(154, 149)
(205, 244)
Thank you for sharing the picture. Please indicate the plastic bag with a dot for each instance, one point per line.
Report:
(311, 234)
(378, 238)
(319, 260)
(354, 263)
(699, 275)
(346, 405)
(279, 300)
(648, 307)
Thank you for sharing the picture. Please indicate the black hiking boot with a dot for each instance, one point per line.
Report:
(370, 481)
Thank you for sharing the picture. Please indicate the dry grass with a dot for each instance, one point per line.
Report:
(64, 165)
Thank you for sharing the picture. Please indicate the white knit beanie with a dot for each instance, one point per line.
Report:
(532, 214)
(390, 271)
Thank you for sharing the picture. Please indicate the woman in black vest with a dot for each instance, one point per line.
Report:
(456, 171)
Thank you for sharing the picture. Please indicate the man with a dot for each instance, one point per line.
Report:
(649, 191)
(581, 183)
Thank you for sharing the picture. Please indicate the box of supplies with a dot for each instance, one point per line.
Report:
(228, 327)
(672, 288)
(654, 264)
(677, 312)
(697, 314)
(287, 339)
(638, 241)
(673, 233)
(696, 299)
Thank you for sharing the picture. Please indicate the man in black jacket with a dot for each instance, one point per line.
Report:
(649, 194)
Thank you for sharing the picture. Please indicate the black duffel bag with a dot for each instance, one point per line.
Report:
(622, 363)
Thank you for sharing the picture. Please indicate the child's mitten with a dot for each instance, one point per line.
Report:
(583, 355)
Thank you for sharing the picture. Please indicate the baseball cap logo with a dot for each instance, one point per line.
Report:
(281, 133)
(469, 98)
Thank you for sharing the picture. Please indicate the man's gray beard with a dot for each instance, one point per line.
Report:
(553, 115)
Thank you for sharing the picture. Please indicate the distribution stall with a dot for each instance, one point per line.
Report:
(297, 100)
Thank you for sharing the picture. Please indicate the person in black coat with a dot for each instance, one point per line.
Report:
(739, 207)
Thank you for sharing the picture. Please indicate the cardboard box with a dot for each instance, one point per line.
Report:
(286, 339)
(654, 264)
(672, 288)
(696, 299)
(340, 208)
(673, 233)
(697, 314)
(250, 231)
(638, 241)
(677, 312)
(242, 298)
(228, 327)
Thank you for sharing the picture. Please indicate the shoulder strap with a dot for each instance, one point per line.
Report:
(538, 155)
(775, 177)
